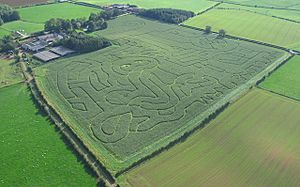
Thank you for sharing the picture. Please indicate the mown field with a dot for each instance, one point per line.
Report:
(157, 82)
(282, 13)
(192, 5)
(17, 3)
(255, 142)
(287, 4)
(9, 73)
(285, 80)
(33, 18)
(40, 14)
(32, 151)
(251, 25)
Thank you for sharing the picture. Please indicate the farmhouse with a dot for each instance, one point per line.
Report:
(62, 51)
(46, 56)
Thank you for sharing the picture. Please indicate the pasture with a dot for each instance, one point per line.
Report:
(255, 142)
(250, 25)
(157, 82)
(286, 4)
(40, 14)
(28, 27)
(17, 3)
(32, 152)
(192, 5)
(285, 80)
(9, 73)
(282, 13)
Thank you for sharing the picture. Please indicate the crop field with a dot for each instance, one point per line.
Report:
(255, 142)
(9, 73)
(192, 5)
(285, 80)
(16, 3)
(157, 82)
(21, 25)
(32, 152)
(40, 14)
(287, 4)
(251, 25)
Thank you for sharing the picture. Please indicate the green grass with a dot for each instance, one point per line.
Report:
(158, 82)
(9, 73)
(286, 79)
(288, 4)
(21, 25)
(40, 14)
(32, 152)
(251, 25)
(255, 142)
(3, 32)
(192, 5)
(282, 13)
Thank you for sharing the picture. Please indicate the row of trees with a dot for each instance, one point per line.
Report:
(96, 21)
(8, 14)
(167, 15)
(82, 42)
(222, 32)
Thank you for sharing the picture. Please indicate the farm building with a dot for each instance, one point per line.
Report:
(46, 56)
(61, 51)
(35, 46)
(50, 37)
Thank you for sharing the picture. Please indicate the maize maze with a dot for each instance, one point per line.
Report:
(130, 98)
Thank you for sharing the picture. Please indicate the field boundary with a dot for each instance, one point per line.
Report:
(246, 39)
(100, 171)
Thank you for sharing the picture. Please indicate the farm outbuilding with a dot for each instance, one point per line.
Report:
(62, 51)
(46, 56)
(35, 46)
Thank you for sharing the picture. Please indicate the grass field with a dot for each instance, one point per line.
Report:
(40, 14)
(192, 5)
(16, 3)
(3, 32)
(282, 13)
(156, 83)
(285, 80)
(32, 152)
(288, 4)
(255, 142)
(28, 27)
(251, 25)
(9, 73)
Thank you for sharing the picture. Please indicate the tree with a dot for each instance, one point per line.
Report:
(207, 30)
(222, 33)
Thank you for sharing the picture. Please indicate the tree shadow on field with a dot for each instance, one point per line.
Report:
(67, 143)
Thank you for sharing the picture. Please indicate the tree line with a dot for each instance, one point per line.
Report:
(7, 44)
(96, 21)
(8, 14)
(168, 15)
(82, 42)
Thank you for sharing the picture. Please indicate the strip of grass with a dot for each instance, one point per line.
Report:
(40, 14)
(192, 5)
(285, 80)
(9, 73)
(255, 142)
(32, 152)
(251, 25)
